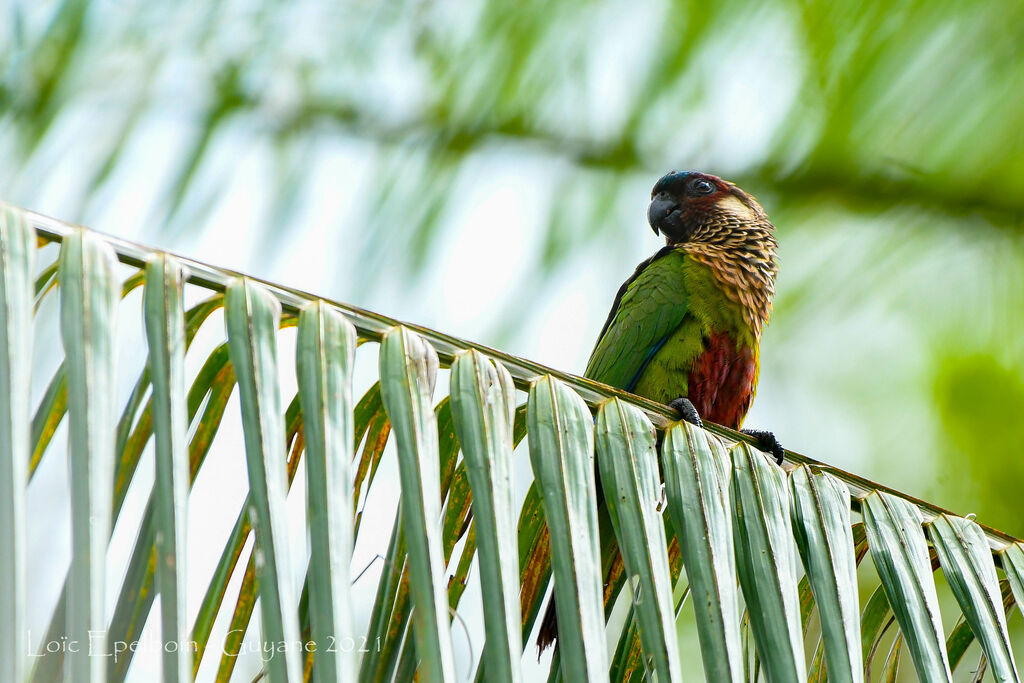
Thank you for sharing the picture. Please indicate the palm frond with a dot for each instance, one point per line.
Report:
(771, 555)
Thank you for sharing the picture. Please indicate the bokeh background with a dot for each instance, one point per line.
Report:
(484, 167)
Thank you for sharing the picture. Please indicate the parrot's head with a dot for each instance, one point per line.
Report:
(697, 207)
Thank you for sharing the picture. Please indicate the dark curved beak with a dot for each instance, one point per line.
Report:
(663, 215)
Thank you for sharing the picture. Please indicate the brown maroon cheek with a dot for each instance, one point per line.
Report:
(694, 213)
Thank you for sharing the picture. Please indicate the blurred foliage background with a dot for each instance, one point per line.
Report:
(483, 167)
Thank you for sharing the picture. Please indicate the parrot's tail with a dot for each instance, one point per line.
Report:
(548, 633)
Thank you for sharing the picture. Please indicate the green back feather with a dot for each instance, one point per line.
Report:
(664, 311)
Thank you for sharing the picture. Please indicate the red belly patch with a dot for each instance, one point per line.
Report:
(721, 383)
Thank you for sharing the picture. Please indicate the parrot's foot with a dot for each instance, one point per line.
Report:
(767, 442)
(686, 410)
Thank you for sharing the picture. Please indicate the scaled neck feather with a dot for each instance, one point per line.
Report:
(743, 262)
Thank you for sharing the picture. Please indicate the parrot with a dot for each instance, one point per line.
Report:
(685, 328)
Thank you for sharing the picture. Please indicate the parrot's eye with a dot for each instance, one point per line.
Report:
(699, 186)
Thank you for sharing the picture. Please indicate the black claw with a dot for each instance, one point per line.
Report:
(767, 442)
(686, 410)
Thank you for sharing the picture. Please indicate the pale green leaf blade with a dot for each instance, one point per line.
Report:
(816, 671)
(214, 385)
(891, 669)
(387, 602)
(49, 414)
(215, 382)
(628, 463)
(766, 560)
(88, 307)
(17, 256)
(324, 357)
(51, 409)
(1013, 564)
(133, 434)
(239, 624)
(130, 613)
(959, 639)
(697, 487)
(534, 558)
(408, 371)
(561, 439)
(165, 332)
(210, 606)
(900, 553)
(626, 660)
(966, 561)
(45, 282)
(483, 407)
(821, 526)
(252, 316)
(875, 621)
(389, 621)
(215, 592)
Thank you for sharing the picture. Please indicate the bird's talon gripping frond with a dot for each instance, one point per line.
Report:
(686, 411)
(767, 442)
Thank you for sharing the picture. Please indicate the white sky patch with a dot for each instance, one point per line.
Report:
(565, 324)
(622, 49)
(491, 240)
(312, 257)
(750, 85)
(125, 202)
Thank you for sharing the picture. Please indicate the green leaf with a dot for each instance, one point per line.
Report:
(240, 617)
(88, 303)
(697, 487)
(980, 670)
(245, 602)
(534, 558)
(48, 416)
(821, 525)
(372, 422)
(17, 258)
(53, 406)
(966, 561)
(816, 672)
(252, 316)
(132, 434)
(627, 662)
(628, 462)
(961, 636)
(900, 552)
(455, 523)
(46, 281)
(1013, 564)
(408, 370)
(628, 653)
(324, 357)
(165, 332)
(891, 670)
(390, 612)
(213, 598)
(483, 408)
(875, 619)
(807, 606)
(213, 385)
(766, 561)
(562, 454)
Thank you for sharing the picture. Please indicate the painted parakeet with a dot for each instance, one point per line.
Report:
(685, 328)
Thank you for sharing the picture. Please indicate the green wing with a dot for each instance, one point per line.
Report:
(649, 307)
